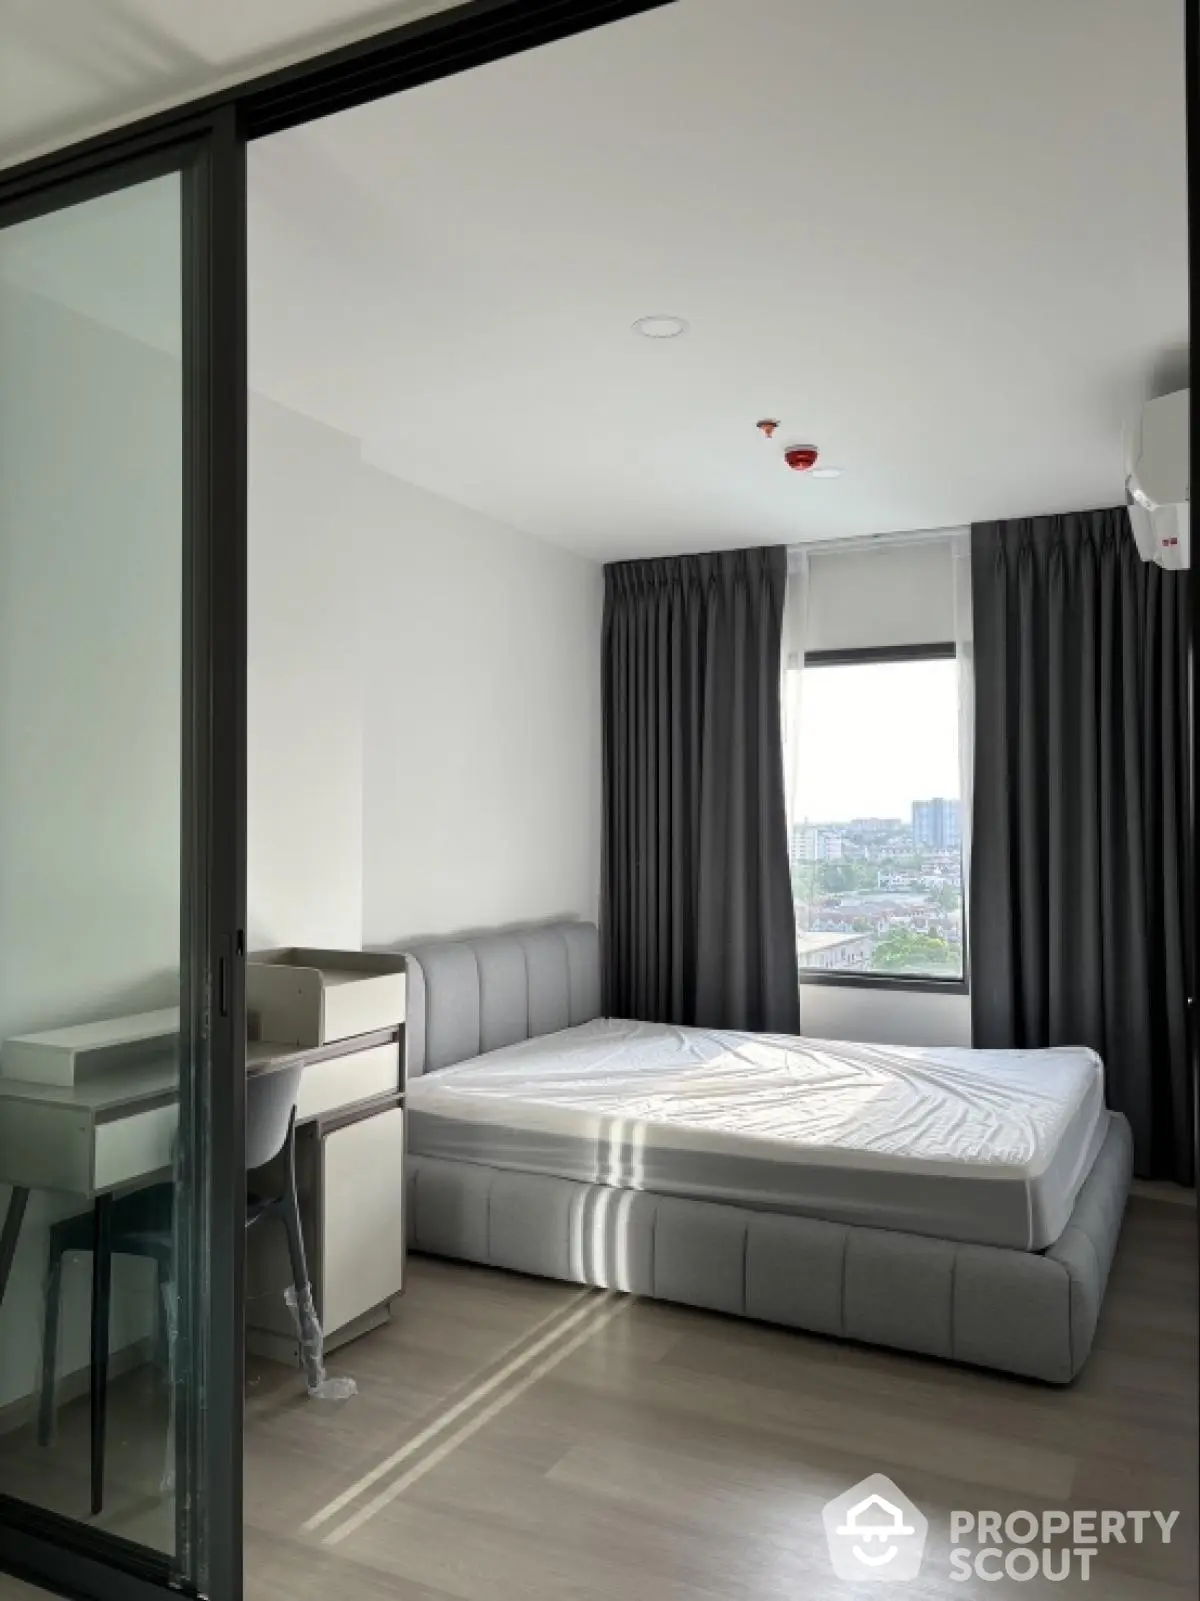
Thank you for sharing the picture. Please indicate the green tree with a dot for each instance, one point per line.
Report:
(804, 882)
(946, 897)
(835, 878)
(843, 878)
(902, 951)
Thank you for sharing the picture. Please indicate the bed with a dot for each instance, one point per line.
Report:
(962, 1204)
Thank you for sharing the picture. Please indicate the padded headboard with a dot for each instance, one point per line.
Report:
(479, 993)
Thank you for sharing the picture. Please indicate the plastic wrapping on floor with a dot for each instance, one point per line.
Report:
(312, 1349)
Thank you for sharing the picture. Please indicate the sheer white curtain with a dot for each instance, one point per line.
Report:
(795, 633)
(964, 641)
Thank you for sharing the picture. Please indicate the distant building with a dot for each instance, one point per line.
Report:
(935, 823)
(876, 825)
(894, 880)
(813, 843)
(833, 952)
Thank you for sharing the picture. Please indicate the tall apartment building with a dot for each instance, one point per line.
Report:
(935, 823)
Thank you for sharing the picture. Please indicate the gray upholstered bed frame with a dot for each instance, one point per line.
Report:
(1031, 1313)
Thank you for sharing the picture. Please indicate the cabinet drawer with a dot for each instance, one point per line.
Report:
(46, 1147)
(134, 1147)
(346, 1080)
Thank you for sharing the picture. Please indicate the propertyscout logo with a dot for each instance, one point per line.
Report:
(875, 1533)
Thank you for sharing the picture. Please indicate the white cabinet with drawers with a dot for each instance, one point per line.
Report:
(342, 1014)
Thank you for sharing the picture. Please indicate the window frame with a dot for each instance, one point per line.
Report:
(867, 656)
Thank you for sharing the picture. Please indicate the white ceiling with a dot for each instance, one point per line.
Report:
(945, 240)
(70, 68)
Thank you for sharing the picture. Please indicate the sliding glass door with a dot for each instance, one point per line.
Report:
(121, 873)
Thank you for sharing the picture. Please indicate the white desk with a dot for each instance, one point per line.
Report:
(116, 1132)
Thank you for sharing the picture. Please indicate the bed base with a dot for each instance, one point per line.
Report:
(1023, 1312)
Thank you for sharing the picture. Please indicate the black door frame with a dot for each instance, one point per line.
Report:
(1191, 105)
(441, 45)
(205, 140)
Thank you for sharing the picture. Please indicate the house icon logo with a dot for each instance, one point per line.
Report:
(875, 1532)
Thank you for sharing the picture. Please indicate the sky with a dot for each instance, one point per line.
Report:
(875, 737)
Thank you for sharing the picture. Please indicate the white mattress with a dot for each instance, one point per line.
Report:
(985, 1146)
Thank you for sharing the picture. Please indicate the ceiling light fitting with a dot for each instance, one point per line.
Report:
(660, 326)
(826, 472)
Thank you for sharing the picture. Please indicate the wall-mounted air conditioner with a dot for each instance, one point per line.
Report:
(1158, 486)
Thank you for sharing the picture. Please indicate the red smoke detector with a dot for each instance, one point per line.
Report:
(801, 458)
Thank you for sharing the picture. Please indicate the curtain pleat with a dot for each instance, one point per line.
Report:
(697, 916)
(1079, 915)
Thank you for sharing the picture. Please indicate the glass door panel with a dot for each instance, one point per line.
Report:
(106, 873)
(91, 643)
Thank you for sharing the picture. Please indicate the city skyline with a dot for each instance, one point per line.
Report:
(871, 824)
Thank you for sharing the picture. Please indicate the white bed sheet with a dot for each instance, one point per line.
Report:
(987, 1146)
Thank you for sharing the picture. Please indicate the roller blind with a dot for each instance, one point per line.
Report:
(891, 594)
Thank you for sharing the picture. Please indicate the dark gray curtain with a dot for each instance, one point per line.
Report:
(1079, 911)
(697, 917)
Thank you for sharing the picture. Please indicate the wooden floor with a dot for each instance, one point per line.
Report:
(520, 1438)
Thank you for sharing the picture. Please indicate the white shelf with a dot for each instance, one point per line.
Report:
(306, 997)
(69, 1056)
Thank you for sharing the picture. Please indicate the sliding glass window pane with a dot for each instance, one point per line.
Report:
(877, 848)
(91, 674)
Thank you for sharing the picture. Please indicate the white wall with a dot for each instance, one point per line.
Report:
(884, 1017)
(482, 771)
(884, 594)
(90, 645)
(304, 687)
(424, 706)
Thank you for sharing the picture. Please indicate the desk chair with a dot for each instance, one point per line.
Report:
(141, 1223)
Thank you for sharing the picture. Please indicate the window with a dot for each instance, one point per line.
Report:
(876, 848)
